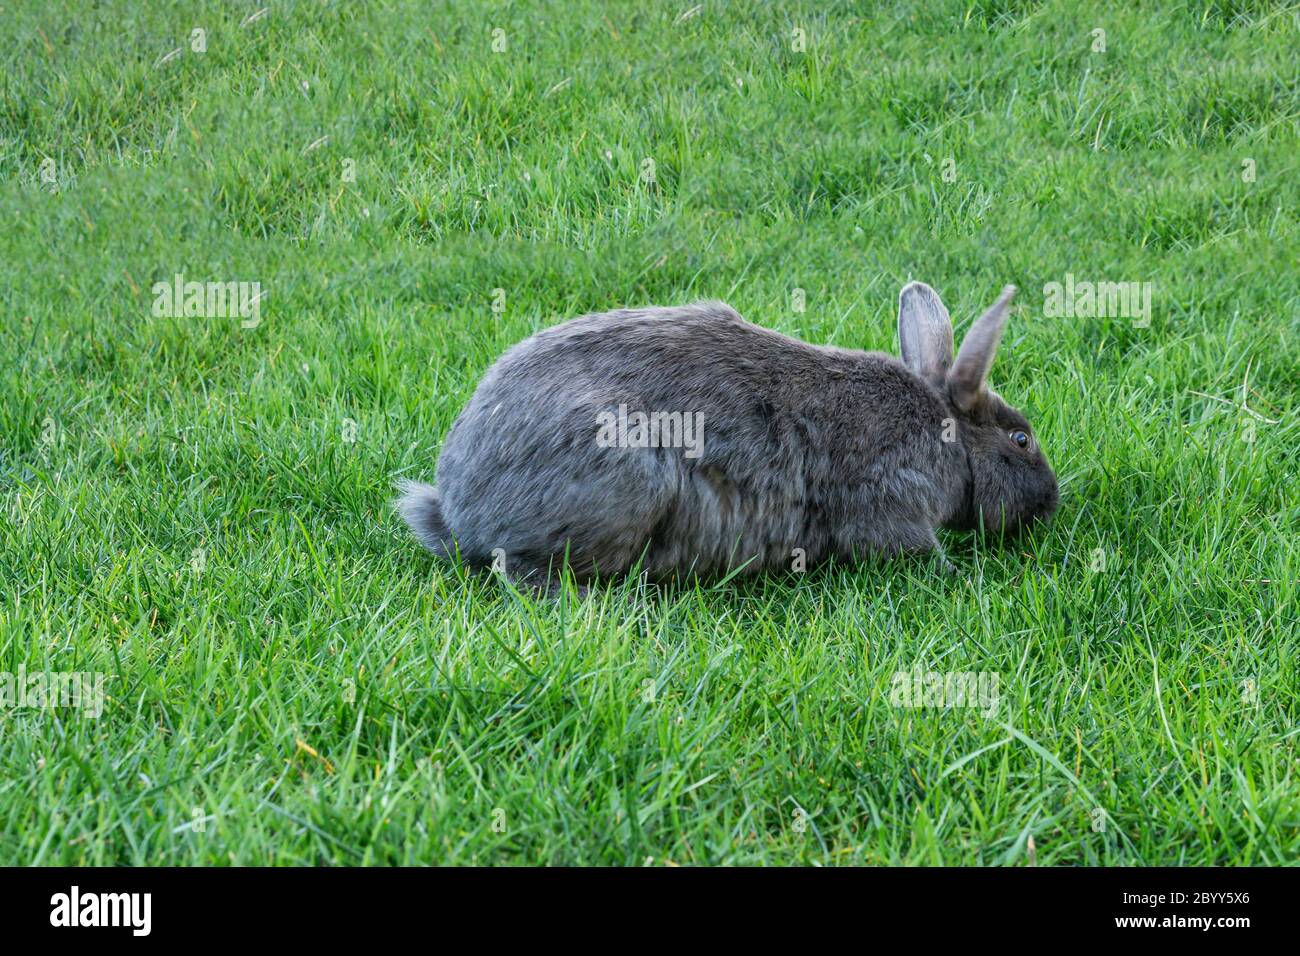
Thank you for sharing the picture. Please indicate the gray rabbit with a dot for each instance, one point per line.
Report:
(688, 440)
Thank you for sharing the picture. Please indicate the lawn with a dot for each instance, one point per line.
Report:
(197, 509)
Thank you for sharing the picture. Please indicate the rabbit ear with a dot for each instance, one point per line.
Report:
(924, 332)
(971, 369)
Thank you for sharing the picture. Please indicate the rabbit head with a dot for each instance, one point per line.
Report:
(1011, 483)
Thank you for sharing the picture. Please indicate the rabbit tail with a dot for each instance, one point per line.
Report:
(422, 511)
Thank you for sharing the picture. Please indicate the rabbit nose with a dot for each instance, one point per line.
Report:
(1052, 498)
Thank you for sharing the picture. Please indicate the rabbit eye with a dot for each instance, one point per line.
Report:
(1020, 438)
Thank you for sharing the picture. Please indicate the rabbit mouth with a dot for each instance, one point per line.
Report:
(1008, 516)
(1026, 514)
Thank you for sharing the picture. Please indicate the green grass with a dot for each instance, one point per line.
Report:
(182, 511)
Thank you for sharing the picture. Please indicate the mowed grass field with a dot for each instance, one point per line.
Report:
(198, 508)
